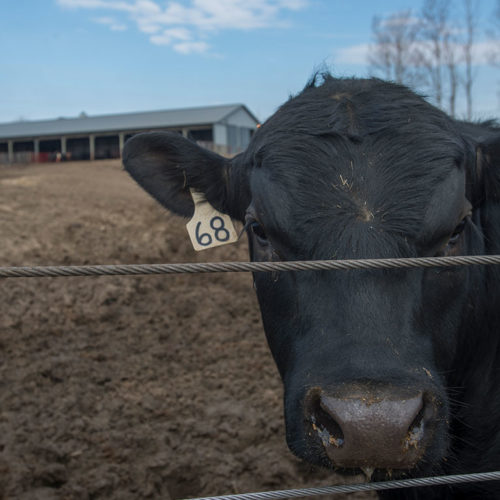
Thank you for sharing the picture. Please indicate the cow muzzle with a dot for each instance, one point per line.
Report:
(365, 428)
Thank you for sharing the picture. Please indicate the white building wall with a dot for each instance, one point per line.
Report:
(241, 118)
(220, 134)
(240, 127)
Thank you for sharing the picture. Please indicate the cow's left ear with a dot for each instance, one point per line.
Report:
(167, 165)
(486, 173)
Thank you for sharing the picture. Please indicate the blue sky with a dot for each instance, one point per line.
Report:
(62, 57)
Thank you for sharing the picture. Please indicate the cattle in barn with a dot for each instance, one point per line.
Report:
(394, 373)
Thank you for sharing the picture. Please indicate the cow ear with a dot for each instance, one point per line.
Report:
(167, 165)
(487, 170)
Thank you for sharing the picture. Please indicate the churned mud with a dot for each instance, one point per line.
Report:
(128, 387)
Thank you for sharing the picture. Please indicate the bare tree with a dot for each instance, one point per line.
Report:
(393, 49)
(433, 32)
(471, 8)
(432, 51)
(451, 61)
(494, 35)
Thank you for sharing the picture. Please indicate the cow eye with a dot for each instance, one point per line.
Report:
(455, 236)
(258, 231)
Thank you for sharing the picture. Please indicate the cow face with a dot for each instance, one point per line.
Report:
(349, 169)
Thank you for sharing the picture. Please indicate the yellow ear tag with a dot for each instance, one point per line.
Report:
(209, 228)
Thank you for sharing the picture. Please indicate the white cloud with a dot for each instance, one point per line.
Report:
(355, 54)
(403, 20)
(358, 54)
(111, 23)
(194, 19)
(147, 26)
(191, 47)
(484, 51)
(171, 35)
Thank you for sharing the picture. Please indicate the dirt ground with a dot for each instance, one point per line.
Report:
(129, 387)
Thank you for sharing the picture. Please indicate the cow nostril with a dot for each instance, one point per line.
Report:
(325, 426)
(415, 432)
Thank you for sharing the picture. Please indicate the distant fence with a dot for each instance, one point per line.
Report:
(23, 157)
(30, 157)
(56, 156)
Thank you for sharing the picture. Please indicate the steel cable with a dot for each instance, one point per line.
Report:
(220, 267)
(377, 486)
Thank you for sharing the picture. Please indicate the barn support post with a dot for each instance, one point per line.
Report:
(121, 142)
(10, 151)
(36, 150)
(64, 148)
(185, 132)
(92, 147)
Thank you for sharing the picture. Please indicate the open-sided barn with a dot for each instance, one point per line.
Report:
(226, 129)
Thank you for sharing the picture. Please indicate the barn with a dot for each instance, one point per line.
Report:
(226, 129)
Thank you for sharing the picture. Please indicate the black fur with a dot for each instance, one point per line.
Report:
(362, 169)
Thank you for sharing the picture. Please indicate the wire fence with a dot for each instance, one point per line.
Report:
(224, 267)
(353, 488)
(315, 265)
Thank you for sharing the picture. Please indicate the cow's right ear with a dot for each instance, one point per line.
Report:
(167, 165)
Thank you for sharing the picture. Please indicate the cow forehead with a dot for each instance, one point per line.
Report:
(361, 190)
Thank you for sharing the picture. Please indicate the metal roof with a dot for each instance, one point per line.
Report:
(206, 115)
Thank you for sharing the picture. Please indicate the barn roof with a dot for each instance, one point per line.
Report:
(206, 115)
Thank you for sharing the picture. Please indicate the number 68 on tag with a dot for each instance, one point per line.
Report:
(208, 227)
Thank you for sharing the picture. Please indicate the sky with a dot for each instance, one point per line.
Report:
(64, 57)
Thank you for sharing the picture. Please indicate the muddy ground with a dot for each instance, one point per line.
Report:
(128, 387)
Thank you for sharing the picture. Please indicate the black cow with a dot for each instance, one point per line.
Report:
(394, 373)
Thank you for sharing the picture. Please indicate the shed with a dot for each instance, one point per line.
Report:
(226, 129)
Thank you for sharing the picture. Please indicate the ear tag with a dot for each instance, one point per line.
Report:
(209, 228)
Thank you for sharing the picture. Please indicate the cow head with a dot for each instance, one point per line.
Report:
(351, 169)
